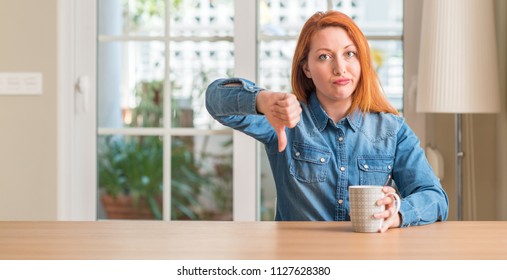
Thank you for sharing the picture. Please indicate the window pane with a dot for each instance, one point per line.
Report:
(388, 60)
(202, 18)
(374, 17)
(275, 64)
(131, 17)
(194, 65)
(130, 84)
(130, 177)
(201, 171)
(284, 17)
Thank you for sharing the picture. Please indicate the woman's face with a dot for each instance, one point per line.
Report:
(333, 66)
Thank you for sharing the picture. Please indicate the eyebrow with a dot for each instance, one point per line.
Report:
(326, 49)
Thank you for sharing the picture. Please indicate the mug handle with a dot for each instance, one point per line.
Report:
(398, 205)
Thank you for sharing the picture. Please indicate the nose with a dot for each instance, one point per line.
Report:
(338, 67)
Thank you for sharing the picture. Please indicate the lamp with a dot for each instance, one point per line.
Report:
(458, 71)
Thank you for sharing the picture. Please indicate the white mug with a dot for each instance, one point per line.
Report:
(363, 205)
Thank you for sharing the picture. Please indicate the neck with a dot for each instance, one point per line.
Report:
(336, 110)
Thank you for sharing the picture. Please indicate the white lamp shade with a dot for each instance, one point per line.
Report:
(458, 67)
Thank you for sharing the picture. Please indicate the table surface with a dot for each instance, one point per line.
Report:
(248, 240)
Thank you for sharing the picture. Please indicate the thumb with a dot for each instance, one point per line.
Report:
(282, 138)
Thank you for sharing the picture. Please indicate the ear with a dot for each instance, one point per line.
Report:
(306, 70)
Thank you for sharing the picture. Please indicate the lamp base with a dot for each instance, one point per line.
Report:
(459, 166)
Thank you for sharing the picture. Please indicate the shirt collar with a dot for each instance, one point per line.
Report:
(321, 119)
(355, 118)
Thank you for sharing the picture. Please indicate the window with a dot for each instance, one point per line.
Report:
(155, 137)
(155, 142)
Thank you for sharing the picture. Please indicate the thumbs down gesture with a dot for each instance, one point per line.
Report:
(282, 110)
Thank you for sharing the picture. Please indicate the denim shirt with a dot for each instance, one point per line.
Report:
(322, 158)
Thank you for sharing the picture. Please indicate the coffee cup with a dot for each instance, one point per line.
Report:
(363, 205)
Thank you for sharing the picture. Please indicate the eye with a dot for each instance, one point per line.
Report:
(324, 57)
(350, 54)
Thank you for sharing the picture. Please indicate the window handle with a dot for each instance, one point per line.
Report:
(82, 94)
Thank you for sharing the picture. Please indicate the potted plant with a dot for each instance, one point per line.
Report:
(130, 178)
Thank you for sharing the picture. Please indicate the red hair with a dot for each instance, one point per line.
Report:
(368, 96)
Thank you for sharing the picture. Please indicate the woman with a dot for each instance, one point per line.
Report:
(337, 129)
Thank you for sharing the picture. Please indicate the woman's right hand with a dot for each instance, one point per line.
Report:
(281, 109)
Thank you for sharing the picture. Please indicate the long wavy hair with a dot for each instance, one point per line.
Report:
(369, 95)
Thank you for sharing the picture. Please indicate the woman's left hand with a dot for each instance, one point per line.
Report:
(390, 207)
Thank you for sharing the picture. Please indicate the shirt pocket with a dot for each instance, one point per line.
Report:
(309, 163)
(374, 170)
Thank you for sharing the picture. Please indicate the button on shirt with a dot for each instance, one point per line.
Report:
(322, 159)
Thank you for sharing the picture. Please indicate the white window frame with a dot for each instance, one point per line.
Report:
(77, 129)
(76, 126)
(246, 171)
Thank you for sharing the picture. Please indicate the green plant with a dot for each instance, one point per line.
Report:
(150, 98)
(132, 167)
(221, 187)
(186, 180)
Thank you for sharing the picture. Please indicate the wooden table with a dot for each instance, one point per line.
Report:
(248, 240)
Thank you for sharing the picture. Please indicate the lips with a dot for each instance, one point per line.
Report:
(341, 82)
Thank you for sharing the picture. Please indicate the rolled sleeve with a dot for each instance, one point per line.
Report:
(247, 102)
(224, 100)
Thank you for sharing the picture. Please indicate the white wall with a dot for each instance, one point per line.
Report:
(28, 136)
